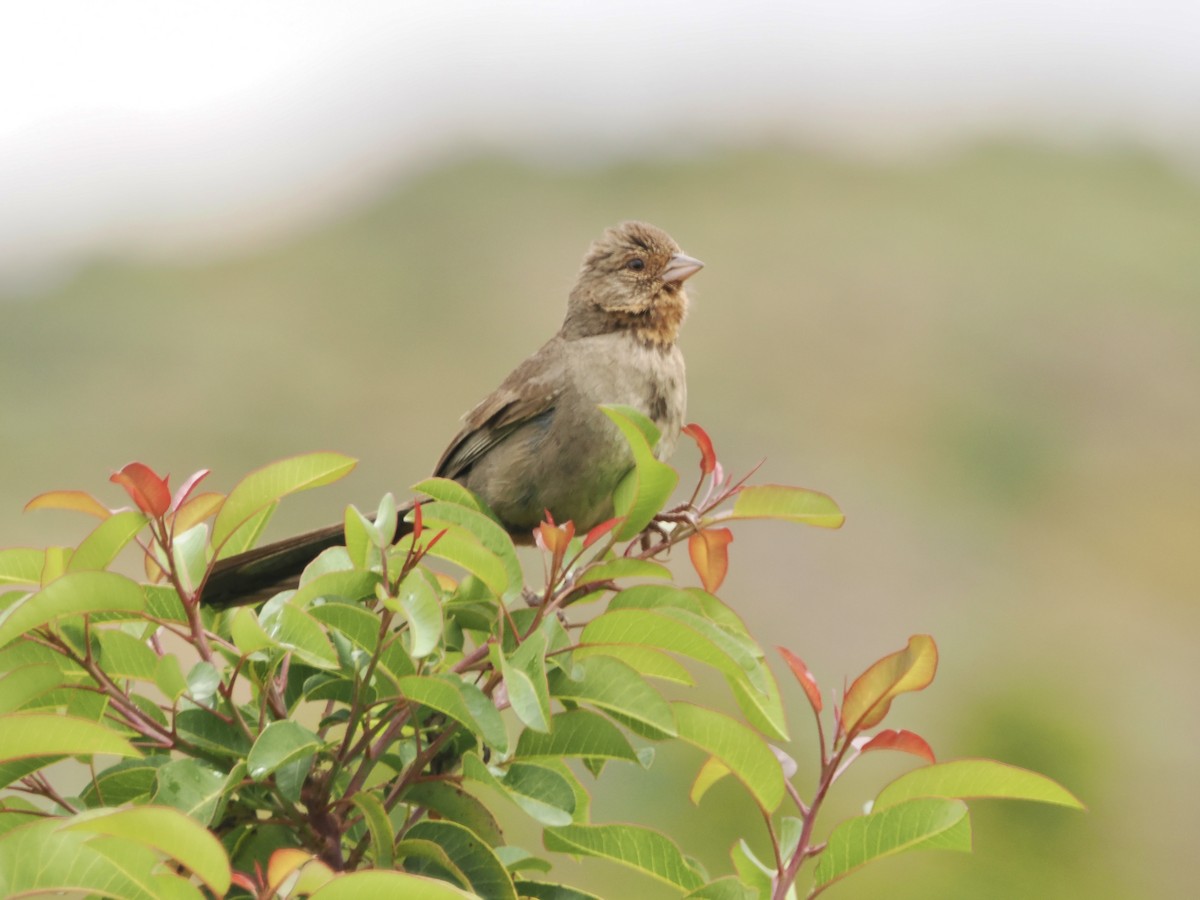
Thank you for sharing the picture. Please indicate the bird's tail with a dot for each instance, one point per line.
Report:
(259, 574)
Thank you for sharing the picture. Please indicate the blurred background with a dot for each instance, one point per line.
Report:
(953, 280)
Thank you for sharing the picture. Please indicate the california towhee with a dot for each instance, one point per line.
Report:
(539, 441)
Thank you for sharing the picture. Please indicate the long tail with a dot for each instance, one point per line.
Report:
(259, 574)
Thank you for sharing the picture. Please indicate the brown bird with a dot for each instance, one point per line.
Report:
(539, 441)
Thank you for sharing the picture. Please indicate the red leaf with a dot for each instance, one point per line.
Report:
(185, 489)
(708, 456)
(149, 492)
(710, 556)
(804, 676)
(600, 531)
(906, 741)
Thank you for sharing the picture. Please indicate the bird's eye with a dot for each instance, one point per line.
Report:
(637, 264)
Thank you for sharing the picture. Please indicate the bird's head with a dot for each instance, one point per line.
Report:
(632, 278)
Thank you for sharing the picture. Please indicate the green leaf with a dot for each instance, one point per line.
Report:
(461, 701)
(379, 885)
(745, 753)
(72, 595)
(525, 678)
(247, 632)
(639, 848)
(463, 549)
(474, 858)
(108, 538)
(678, 631)
(926, 823)
(205, 731)
(971, 778)
(280, 743)
(129, 781)
(83, 864)
(644, 660)
(191, 786)
(646, 488)
(580, 733)
(452, 802)
(451, 491)
(263, 488)
(299, 632)
(348, 584)
(24, 684)
(22, 565)
(612, 685)
(419, 603)
(751, 871)
(792, 504)
(728, 888)
(25, 735)
(125, 656)
(541, 791)
(623, 567)
(169, 832)
(168, 677)
(441, 514)
(379, 826)
(542, 890)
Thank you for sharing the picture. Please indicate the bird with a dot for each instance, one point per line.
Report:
(539, 443)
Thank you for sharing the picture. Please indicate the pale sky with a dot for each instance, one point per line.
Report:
(131, 126)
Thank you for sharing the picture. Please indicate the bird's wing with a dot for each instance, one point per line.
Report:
(530, 391)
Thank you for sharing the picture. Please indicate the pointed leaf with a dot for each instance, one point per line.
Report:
(107, 539)
(578, 733)
(746, 754)
(171, 833)
(76, 501)
(638, 848)
(380, 885)
(870, 696)
(462, 702)
(75, 594)
(25, 735)
(968, 778)
(922, 824)
(792, 504)
(474, 858)
(264, 487)
(804, 676)
(710, 773)
(905, 741)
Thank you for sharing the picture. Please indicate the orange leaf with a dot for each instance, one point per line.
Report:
(804, 676)
(906, 741)
(283, 863)
(708, 456)
(871, 695)
(145, 488)
(79, 501)
(600, 531)
(710, 556)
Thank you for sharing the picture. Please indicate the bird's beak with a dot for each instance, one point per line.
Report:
(681, 268)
